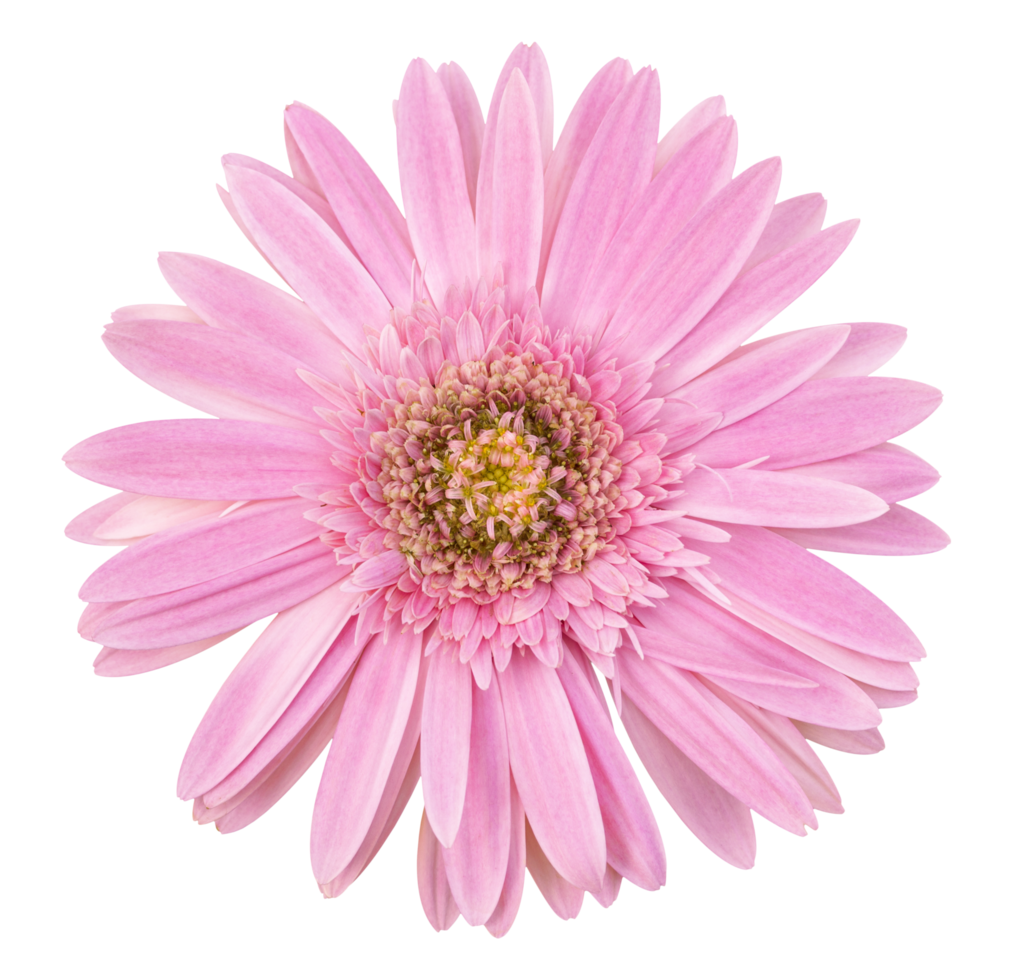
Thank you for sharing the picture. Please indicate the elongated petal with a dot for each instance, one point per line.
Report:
(791, 221)
(696, 267)
(205, 459)
(556, 786)
(721, 821)
(763, 373)
(697, 171)
(888, 471)
(576, 136)
(867, 348)
(858, 743)
(111, 662)
(374, 225)
(820, 420)
(564, 898)
(633, 841)
(262, 685)
(801, 589)
(518, 189)
(501, 919)
(433, 887)
(83, 527)
(433, 181)
(687, 128)
(765, 497)
(234, 300)
(898, 532)
(476, 863)
(614, 171)
(470, 122)
(362, 753)
(201, 550)
(222, 604)
(750, 302)
(446, 738)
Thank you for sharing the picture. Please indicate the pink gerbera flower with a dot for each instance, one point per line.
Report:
(545, 456)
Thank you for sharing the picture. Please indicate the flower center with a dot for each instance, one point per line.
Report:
(497, 476)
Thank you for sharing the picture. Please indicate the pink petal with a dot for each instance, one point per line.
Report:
(363, 751)
(609, 890)
(470, 123)
(143, 515)
(433, 888)
(582, 124)
(201, 550)
(765, 497)
(695, 174)
(518, 190)
(227, 603)
(695, 268)
(155, 311)
(759, 374)
(716, 740)
(633, 841)
(204, 459)
(898, 532)
(858, 743)
(476, 863)
(551, 771)
(791, 221)
(433, 182)
(235, 300)
(820, 420)
(312, 259)
(262, 685)
(614, 171)
(750, 302)
(499, 922)
(374, 225)
(446, 738)
(687, 128)
(721, 821)
(805, 591)
(888, 471)
(214, 372)
(82, 528)
(564, 898)
(111, 662)
(867, 348)
(378, 571)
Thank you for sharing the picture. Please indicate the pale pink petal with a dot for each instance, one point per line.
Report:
(551, 771)
(633, 841)
(820, 420)
(609, 890)
(234, 300)
(762, 373)
(565, 899)
(205, 459)
(752, 300)
(867, 348)
(615, 169)
(476, 863)
(754, 496)
(695, 268)
(470, 122)
(805, 591)
(791, 221)
(446, 738)
(380, 570)
(433, 888)
(695, 174)
(310, 256)
(111, 662)
(143, 515)
(721, 821)
(898, 532)
(888, 471)
(82, 528)
(372, 222)
(433, 182)
(262, 685)
(363, 751)
(858, 743)
(687, 128)
(716, 740)
(155, 311)
(214, 607)
(518, 190)
(501, 919)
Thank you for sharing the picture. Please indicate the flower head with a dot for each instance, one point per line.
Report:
(491, 449)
